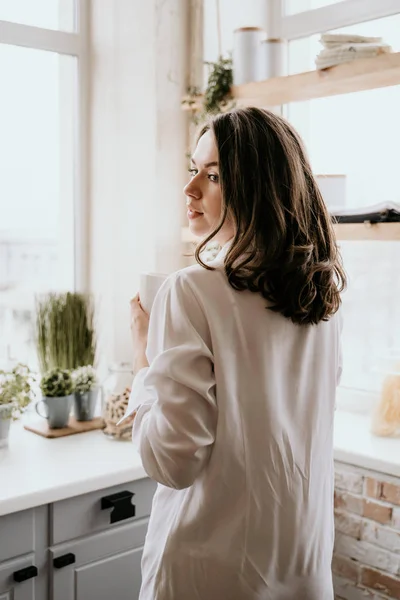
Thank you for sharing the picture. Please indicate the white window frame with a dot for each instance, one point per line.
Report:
(319, 20)
(303, 25)
(72, 44)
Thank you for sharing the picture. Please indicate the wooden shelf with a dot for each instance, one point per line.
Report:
(356, 76)
(381, 232)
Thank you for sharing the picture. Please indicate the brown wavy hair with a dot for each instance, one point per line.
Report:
(284, 247)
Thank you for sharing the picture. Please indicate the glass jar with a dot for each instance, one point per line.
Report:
(386, 413)
(116, 391)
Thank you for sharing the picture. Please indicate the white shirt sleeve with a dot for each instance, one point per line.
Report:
(175, 422)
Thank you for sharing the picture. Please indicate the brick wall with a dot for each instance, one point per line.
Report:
(366, 562)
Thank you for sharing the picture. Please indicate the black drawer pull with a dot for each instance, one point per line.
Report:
(64, 560)
(121, 504)
(24, 574)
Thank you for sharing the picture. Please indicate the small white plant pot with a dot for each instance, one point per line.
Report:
(5, 420)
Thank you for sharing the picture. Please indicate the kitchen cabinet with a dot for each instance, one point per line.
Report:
(87, 546)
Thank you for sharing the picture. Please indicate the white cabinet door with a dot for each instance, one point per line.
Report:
(105, 566)
(17, 579)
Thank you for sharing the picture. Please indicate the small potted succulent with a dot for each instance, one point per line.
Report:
(86, 389)
(57, 390)
(16, 394)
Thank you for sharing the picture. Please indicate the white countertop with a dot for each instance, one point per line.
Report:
(355, 445)
(35, 470)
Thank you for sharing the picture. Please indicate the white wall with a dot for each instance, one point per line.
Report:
(138, 143)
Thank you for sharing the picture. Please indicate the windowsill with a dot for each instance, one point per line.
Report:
(355, 445)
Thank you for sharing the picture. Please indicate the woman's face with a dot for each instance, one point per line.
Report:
(203, 192)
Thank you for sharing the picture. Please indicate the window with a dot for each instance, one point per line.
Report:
(50, 14)
(296, 6)
(356, 135)
(40, 142)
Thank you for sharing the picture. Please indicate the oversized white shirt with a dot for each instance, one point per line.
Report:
(235, 423)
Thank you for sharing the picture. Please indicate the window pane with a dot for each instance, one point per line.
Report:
(37, 124)
(296, 6)
(50, 14)
(356, 135)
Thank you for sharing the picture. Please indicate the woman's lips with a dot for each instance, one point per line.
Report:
(193, 214)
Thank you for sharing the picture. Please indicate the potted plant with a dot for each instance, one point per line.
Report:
(86, 392)
(15, 395)
(218, 94)
(65, 332)
(57, 396)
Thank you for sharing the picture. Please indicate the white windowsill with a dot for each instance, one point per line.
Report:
(355, 445)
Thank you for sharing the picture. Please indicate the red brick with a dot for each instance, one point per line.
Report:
(348, 524)
(345, 567)
(391, 493)
(377, 512)
(381, 583)
(373, 488)
(349, 502)
(382, 490)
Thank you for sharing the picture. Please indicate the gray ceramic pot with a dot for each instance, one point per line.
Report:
(5, 420)
(85, 404)
(57, 410)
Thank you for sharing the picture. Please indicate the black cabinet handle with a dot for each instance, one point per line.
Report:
(64, 560)
(24, 574)
(121, 504)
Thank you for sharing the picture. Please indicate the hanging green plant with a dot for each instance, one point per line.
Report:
(217, 97)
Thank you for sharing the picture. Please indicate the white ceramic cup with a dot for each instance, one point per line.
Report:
(150, 283)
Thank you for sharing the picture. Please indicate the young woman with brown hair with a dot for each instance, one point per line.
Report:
(236, 377)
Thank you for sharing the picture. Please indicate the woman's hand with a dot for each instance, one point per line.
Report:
(139, 331)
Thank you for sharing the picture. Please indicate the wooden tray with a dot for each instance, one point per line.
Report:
(42, 428)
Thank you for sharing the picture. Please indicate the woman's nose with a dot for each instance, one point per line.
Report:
(192, 190)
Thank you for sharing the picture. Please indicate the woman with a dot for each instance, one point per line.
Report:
(234, 415)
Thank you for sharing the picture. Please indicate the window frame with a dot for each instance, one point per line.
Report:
(76, 44)
(304, 25)
(318, 20)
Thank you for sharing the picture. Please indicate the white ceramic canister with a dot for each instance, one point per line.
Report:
(246, 51)
(272, 59)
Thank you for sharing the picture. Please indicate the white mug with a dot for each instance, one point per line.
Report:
(150, 283)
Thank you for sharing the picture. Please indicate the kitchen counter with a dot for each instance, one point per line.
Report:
(355, 445)
(35, 470)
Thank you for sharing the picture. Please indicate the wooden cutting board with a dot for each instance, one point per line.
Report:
(42, 428)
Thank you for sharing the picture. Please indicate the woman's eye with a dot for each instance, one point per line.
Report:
(193, 172)
(213, 177)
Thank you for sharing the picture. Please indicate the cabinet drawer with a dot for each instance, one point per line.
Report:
(91, 513)
(17, 534)
(103, 566)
